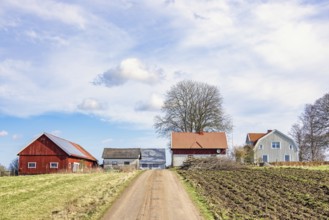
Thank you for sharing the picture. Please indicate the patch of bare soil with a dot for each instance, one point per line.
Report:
(155, 194)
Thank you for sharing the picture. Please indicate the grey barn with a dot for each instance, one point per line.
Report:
(117, 157)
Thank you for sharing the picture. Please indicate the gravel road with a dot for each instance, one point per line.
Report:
(154, 195)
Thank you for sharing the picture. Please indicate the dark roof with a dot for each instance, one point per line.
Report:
(121, 153)
(205, 140)
(70, 148)
(153, 156)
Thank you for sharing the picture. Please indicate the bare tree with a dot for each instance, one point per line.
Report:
(3, 171)
(298, 135)
(13, 167)
(192, 107)
(312, 133)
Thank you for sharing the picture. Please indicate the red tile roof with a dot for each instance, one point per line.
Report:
(206, 140)
(253, 137)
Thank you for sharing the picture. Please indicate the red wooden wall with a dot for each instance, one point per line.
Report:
(43, 151)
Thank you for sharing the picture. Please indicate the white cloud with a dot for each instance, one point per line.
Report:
(90, 104)
(3, 133)
(130, 69)
(154, 103)
(53, 10)
(266, 57)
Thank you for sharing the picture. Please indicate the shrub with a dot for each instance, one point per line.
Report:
(211, 163)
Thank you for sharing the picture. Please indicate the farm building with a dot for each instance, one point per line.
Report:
(50, 154)
(116, 157)
(205, 144)
(153, 158)
(273, 146)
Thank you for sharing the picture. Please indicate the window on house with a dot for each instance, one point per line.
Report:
(114, 163)
(155, 165)
(144, 165)
(291, 147)
(126, 163)
(265, 158)
(287, 158)
(53, 165)
(32, 165)
(276, 145)
(260, 147)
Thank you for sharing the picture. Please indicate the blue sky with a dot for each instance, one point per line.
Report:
(95, 72)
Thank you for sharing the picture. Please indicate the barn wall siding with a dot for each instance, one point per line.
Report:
(43, 151)
(108, 163)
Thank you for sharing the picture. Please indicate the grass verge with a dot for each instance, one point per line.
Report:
(61, 196)
(197, 198)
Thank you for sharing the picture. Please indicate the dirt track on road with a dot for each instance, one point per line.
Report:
(154, 195)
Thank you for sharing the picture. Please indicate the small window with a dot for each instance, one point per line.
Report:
(276, 145)
(265, 158)
(32, 165)
(144, 165)
(114, 163)
(53, 165)
(287, 158)
(291, 147)
(155, 165)
(261, 147)
(126, 163)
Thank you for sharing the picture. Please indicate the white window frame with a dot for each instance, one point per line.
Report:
(285, 158)
(34, 167)
(276, 146)
(260, 147)
(52, 163)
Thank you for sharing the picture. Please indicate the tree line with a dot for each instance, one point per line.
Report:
(311, 131)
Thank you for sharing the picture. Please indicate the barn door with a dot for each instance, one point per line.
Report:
(76, 167)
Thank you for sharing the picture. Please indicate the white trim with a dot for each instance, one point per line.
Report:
(28, 165)
(51, 167)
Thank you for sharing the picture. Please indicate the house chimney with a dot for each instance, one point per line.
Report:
(268, 131)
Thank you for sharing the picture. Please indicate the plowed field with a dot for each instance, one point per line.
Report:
(263, 193)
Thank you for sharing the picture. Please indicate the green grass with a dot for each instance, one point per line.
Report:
(197, 199)
(60, 196)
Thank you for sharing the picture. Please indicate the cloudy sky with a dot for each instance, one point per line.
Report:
(95, 72)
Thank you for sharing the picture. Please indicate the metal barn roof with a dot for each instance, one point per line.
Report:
(121, 153)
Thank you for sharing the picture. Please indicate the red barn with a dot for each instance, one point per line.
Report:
(50, 154)
(186, 144)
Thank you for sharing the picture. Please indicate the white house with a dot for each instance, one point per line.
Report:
(273, 146)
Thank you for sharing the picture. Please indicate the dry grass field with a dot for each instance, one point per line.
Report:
(60, 196)
(267, 193)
